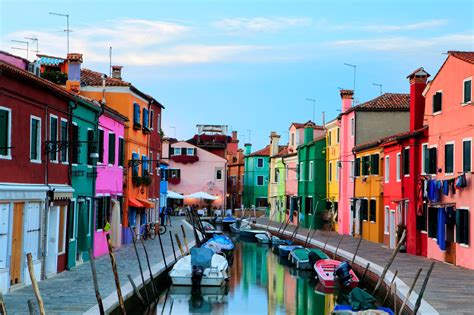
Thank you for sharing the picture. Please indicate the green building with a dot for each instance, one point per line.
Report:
(256, 177)
(84, 153)
(312, 179)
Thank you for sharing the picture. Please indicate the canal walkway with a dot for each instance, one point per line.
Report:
(449, 290)
(72, 292)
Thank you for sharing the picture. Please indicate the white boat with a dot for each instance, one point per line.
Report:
(262, 238)
(213, 272)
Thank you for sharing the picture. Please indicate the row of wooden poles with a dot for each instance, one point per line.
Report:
(146, 301)
(392, 287)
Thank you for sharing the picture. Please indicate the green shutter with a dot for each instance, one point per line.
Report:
(466, 156)
(467, 91)
(111, 148)
(466, 226)
(3, 132)
(34, 140)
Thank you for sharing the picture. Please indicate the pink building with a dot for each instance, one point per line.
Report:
(192, 169)
(109, 181)
(447, 157)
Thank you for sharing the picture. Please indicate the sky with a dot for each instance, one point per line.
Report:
(250, 65)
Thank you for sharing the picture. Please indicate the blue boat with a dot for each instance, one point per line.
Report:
(220, 243)
(284, 250)
(227, 221)
(380, 309)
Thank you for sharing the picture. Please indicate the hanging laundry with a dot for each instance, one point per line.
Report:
(445, 187)
(452, 185)
(419, 205)
(433, 190)
(425, 189)
(461, 181)
(441, 231)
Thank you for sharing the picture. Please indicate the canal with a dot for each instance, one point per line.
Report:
(260, 283)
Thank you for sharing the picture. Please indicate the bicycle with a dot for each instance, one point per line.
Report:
(149, 230)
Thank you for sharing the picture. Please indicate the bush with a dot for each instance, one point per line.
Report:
(55, 76)
(136, 181)
(146, 180)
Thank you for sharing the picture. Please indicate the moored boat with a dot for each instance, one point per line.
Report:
(227, 221)
(326, 271)
(305, 258)
(284, 250)
(220, 244)
(262, 238)
(250, 233)
(278, 241)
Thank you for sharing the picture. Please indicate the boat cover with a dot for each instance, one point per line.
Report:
(302, 254)
(201, 257)
(358, 299)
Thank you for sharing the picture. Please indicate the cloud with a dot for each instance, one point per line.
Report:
(380, 27)
(260, 24)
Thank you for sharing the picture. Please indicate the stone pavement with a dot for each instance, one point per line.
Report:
(72, 292)
(449, 290)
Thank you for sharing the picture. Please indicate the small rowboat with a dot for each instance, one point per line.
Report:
(227, 221)
(262, 238)
(278, 241)
(325, 269)
(249, 233)
(301, 257)
(284, 250)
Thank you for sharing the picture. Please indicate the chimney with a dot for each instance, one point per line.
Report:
(346, 96)
(73, 83)
(248, 148)
(117, 72)
(234, 136)
(308, 133)
(417, 79)
(274, 139)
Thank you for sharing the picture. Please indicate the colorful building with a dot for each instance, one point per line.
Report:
(235, 179)
(192, 169)
(163, 184)
(256, 177)
(277, 179)
(312, 179)
(380, 117)
(109, 180)
(332, 167)
(154, 158)
(447, 159)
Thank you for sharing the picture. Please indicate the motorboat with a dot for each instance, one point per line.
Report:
(201, 268)
(305, 258)
(250, 233)
(329, 271)
(209, 229)
(278, 241)
(235, 227)
(220, 244)
(284, 250)
(263, 238)
(227, 221)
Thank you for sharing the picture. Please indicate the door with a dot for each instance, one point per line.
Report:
(392, 228)
(17, 244)
(52, 241)
(62, 239)
(4, 227)
(352, 216)
(357, 217)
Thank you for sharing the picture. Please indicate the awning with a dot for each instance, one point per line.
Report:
(146, 203)
(132, 202)
(174, 195)
(201, 195)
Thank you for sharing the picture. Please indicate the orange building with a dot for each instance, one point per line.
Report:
(235, 178)
(125, 98)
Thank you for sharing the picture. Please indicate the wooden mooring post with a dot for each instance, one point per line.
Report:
(357, 250)
(134, 241)
(338, 244)
(3, 308)
(34, 283)
(365, 273)
(116, 277)
(162, 250)
(96, 283)
(409, 291)
(136, 291)
(172, 246)
(422, 290)
(152, 279)
(184, 239)
(390, 287)
(327, 240)
(179, 244)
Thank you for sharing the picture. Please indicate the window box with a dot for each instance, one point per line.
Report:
(146, 130)
(185, 159)
(137, 126)
(174, 181)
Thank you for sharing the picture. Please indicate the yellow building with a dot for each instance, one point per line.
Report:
(332, 167)
(368, 195)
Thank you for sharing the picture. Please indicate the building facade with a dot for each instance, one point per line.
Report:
(256, 177)
(277, 175)
(333, 163)
(235, 179)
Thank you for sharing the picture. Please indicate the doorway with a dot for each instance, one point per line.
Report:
(17, 244)
(52, 241)
(392, 228)
(357, 217)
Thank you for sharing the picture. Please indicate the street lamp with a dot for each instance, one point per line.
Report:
(314, 106)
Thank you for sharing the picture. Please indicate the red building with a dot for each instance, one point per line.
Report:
(403, 207)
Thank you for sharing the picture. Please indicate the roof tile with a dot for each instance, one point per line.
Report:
(467, 56)
(385, 102)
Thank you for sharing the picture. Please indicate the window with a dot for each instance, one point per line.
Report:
(462, 226)
(449, 158)
(101, 146)
(386, 220)
(174, 173)
(398, 167)
(90, 145)
(365, 165)
(32, 228)
(373, 210)
(374, 164)
(144, 165)
(357, 167)
(406, 161)
(111, 148)
(75, 144)
(329, 138)
(190, 151)
(135, 157)
(429, 156)
(330, 172)
(277, 175)
(53, 136)
(62, 230)
(219, 174)
(301, 171)
(5, 132)
(292, 139)
(145, 118)
(136, 114)
(352, 166)
(437, 100)
(64, 137)
(103, 211)
(421, 224)
(310, 171)
(151, 119)
(337, 134)
(260, 162)
(352, 126)
(35, 139)
(338, 167)
(150, 169)
(4, 211)
(175, 151)
(158, 122)
(121, 152)
(260, 180)
(466, 155)
(467, 90)
(364, 208)
(387, 169)
(432, 222)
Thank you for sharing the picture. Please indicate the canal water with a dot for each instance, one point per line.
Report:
(260, 283)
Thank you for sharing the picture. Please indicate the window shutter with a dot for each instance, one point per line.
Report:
(101, 146)
(3, 234)
(111, 148)
(195, 151)
(466, 226)
(432, 161)
(467, 91)
(90, 140)
(145, 118)
(135, 165)
(136, 113)
(183, 151)
(466, 156)
(3, 132)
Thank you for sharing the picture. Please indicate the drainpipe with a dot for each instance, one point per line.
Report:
(354, 180)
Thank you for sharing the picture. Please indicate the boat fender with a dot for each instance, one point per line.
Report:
(196, 277)
(342, 273)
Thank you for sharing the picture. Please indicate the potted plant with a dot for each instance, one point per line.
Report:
(136, 181)
(146, 180)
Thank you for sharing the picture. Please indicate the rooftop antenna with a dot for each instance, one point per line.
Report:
(19, 48)
(355, 70)
(34, 39)
(110, 61)
(314, 106)
(67, 30)
(379, 85)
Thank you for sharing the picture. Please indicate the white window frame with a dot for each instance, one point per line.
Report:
(330, 172)
(337, 170)
(9, 140)
(352, 163)
(263, 162)
(462, 152)
(352, 126)
(301, 172)
(174, 150)
(38, 141)
(469, 210)
(78, 139)
(65, 225)
(454, 155)
(386, 229)
(56, 160)
(67, 138)
(263, 180)
(310, 171)
(187, 151)
(74, 232)
(432, 104)
(338, 135)
(398, 167)
(423, 166)
(373, 198)
(387, 169)
(369, 170)
(89, 219)
(463, 102)
(103, 154)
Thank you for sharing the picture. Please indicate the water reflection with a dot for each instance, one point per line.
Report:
(259, 284)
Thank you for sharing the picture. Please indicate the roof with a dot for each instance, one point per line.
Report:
(308, 124)
(467, 56)
(14, 56)
(387, 140)
(385, 102)
(283, 150)
(262, 152)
